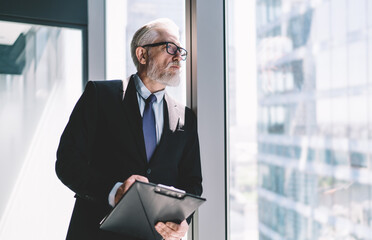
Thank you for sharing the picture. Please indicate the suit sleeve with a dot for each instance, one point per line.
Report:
(190, 168)
(74, 154)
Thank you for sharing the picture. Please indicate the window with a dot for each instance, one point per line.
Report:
(299, 118)
(40, 82)
(242, 114)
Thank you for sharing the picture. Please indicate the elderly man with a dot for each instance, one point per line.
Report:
(122, 131)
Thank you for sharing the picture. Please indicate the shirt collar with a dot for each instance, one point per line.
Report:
(144, 92)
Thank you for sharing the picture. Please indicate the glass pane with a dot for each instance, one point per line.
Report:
(299, 88)
(40, 82)
(242, 114)
(123, 18)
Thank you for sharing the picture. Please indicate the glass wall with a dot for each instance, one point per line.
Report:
(40, 81)
(311, 91)
(241, 120)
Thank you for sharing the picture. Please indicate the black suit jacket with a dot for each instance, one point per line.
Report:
(103, 144)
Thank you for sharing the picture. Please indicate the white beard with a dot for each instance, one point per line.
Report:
(166, 77)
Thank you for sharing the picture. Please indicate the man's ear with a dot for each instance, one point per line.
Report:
(141, 54)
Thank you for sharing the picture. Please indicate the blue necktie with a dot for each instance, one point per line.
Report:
(148, 127)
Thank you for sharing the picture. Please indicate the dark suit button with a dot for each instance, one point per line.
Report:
(148, 171)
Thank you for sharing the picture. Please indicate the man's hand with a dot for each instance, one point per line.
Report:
(126, 185)
(172, 231)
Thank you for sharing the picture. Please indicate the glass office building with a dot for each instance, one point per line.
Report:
(314, 128)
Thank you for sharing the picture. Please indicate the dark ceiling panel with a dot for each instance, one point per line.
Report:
(59, 11)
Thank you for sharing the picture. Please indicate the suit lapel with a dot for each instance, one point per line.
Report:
(174, 120)
(131, 113)
(176, 113)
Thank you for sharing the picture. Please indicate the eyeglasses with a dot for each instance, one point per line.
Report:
(172, 49)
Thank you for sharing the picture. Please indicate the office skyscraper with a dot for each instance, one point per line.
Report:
(315, 119)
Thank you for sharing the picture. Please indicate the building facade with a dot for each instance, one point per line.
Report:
(314, 130)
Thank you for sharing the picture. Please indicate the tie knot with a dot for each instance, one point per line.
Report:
(151, 99)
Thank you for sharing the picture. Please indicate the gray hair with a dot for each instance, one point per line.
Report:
(148, 33)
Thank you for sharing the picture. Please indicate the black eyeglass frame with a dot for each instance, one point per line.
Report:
(162, 43)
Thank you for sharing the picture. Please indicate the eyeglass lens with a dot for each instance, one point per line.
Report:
(172, 49)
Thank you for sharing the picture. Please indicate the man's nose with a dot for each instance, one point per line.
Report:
(177, 56)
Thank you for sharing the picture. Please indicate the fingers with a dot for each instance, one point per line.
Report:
(183, 226)
(119, 193)
(129, 182)
(139, 178)
(126, 185)
(167, 233)
(172, 231)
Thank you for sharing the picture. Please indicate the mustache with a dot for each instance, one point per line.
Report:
(174, 63)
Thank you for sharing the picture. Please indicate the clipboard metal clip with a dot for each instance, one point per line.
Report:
(170, 191)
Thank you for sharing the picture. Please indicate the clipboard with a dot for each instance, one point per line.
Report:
(145, 204)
